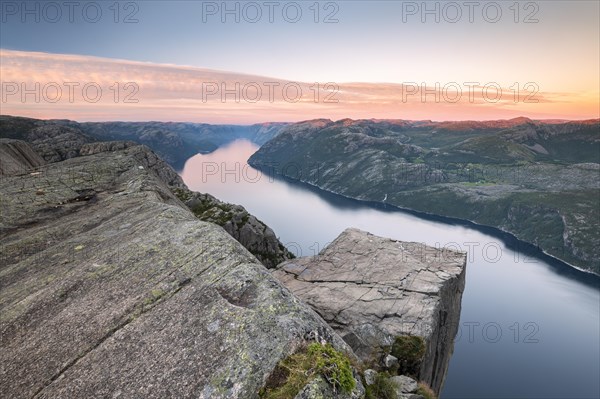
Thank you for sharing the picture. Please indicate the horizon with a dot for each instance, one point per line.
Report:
(546, 121)
(207, 62)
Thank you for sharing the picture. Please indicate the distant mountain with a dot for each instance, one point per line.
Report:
(175, 142)
(539, 180)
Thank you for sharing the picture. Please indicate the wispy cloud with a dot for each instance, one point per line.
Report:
(90, 88)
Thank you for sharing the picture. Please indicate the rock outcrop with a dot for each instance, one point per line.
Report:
(110, 287)
(52, 140)
(372, 290)
(17, 157)
(253, 234)
(258, 238)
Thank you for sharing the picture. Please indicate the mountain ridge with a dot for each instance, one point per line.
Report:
(537, 181)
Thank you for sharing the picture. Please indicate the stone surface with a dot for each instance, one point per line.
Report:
(110, 287)
(370, 375)
(372, 289)
(405, 384)
(253, 234)
(389, 362)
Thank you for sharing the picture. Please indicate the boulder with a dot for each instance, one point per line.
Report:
(372, 289)
(370, 375)
(405, 384)
(390, 362)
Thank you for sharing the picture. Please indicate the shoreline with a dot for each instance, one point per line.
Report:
(509, 239)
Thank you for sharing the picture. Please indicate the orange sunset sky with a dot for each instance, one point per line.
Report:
(376, 60)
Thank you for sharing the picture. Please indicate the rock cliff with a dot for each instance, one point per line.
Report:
(372, 290)
(57, 142)
(110, 287)
(253, 234)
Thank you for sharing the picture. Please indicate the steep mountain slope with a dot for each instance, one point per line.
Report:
(539, 181)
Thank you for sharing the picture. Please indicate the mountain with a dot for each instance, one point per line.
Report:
(537, 180)
(175, 142)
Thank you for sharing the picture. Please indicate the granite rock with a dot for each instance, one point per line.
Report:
(110, 287)
(372, 289)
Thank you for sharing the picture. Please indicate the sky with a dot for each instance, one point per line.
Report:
(246, 62)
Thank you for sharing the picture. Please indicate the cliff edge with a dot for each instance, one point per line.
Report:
(372, 290)
(110, 287)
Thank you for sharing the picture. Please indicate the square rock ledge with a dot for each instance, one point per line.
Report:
(371, 289)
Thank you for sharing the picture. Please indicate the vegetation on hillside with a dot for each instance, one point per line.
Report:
(539, 181)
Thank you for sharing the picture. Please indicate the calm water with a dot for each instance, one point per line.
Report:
(529, 328)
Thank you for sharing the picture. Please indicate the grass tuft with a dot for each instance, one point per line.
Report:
(295, 371)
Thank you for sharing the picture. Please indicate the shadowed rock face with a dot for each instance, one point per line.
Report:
(110, 287)
(372, 289)
(253, 234)
(17, 157)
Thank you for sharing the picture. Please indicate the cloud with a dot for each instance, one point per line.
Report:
(91, 88)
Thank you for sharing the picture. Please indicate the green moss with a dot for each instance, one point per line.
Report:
(210, 211)
(409, 349)
(294, 372)
(202, 207)
(244, 220)
(382, 388)
(225, 207)
(223, 218)
(333, 365)
(182, 194)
